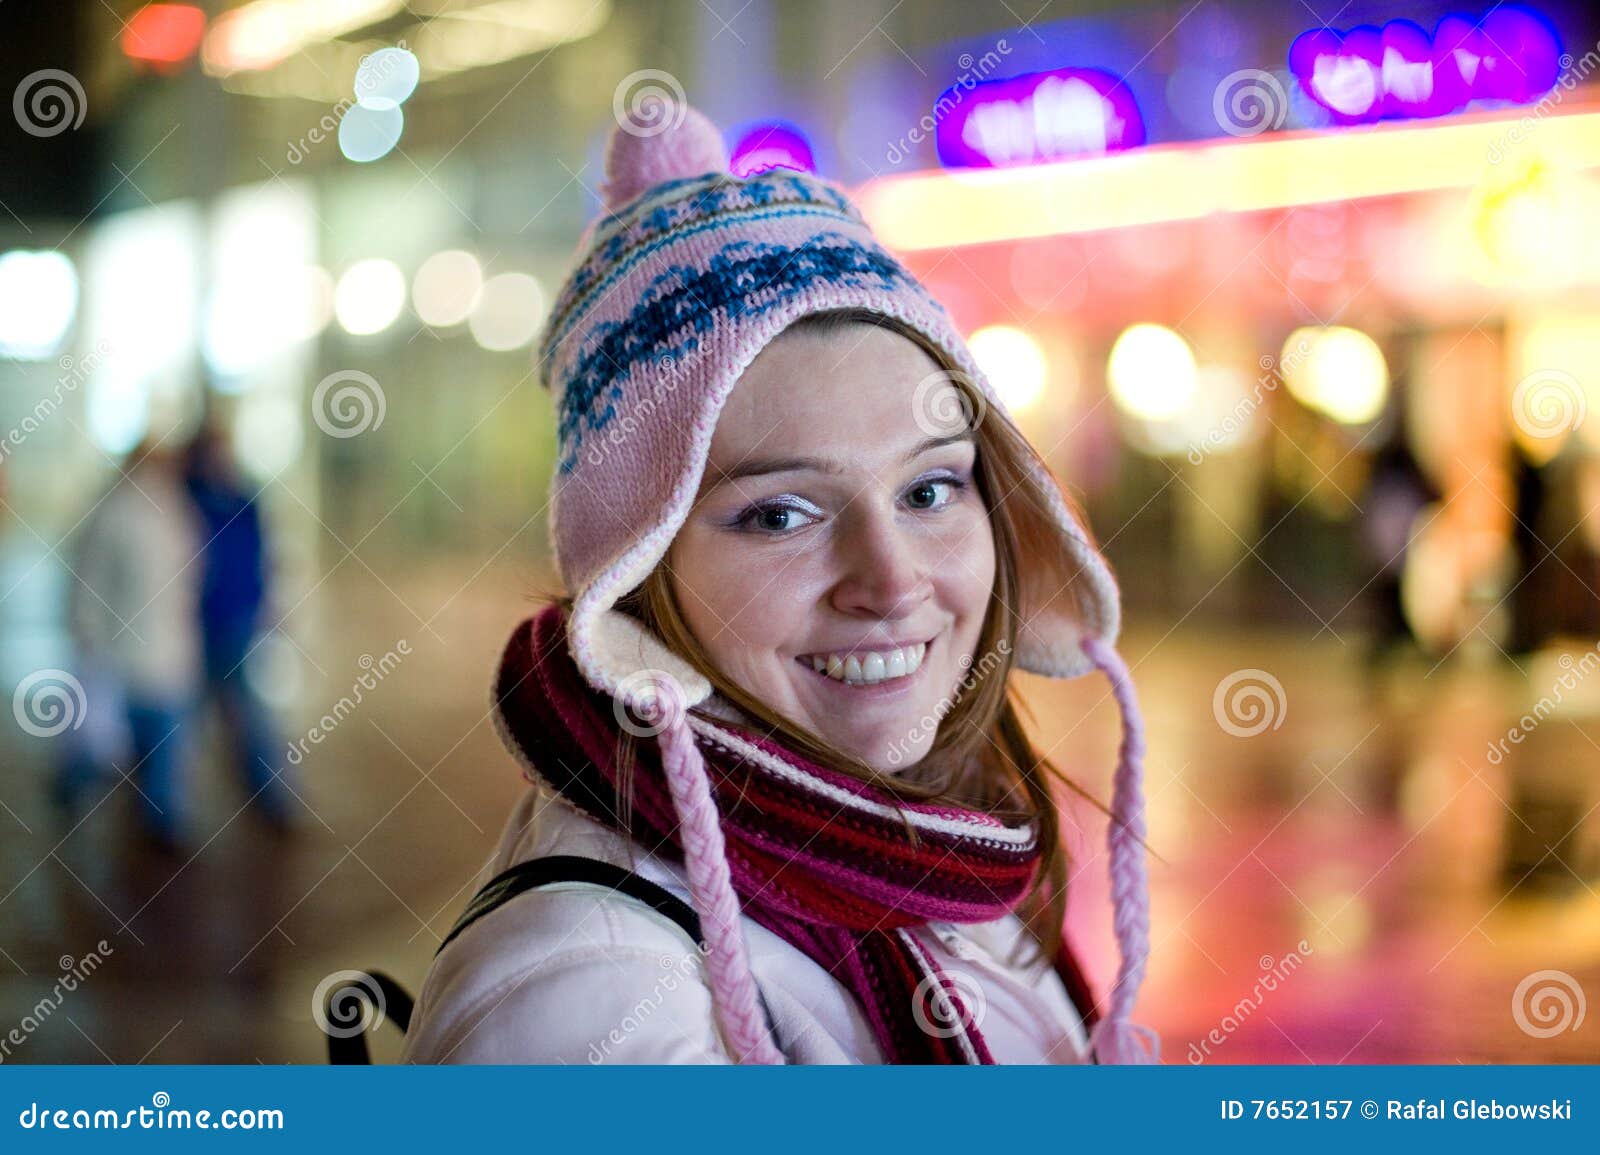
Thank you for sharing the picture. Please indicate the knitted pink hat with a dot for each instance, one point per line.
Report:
(682, 280)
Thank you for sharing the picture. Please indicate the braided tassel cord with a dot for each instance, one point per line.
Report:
(1117, 1038)
(733, 987)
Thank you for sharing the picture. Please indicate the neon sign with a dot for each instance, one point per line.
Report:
(772, 144)
(1035, 118)
(1370, 73)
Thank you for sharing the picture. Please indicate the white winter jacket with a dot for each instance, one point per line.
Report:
(134, 606)
(573, 972)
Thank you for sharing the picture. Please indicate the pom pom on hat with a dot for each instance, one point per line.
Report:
(658, 140)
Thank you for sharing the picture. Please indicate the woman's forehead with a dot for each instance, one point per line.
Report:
(847, 453)
(844, 371)
(858, 383)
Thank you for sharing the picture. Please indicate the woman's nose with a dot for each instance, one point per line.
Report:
(883, 571)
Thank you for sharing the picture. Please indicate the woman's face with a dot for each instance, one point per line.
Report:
(839, 523)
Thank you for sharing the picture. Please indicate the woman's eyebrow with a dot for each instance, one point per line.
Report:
(758, 466)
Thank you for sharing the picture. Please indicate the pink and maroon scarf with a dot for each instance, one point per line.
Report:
(819, 858)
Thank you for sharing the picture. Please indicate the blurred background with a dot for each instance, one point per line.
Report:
(1302, 302)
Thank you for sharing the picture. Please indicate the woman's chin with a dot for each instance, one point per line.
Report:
(891, 751)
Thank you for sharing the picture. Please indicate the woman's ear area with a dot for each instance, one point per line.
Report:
(668, 565)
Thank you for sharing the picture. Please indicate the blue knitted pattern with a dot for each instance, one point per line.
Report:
(675, 209)
(684, 303)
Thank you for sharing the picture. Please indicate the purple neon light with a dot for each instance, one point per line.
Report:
(773, 144)
(1369, 73)
(1038, 117)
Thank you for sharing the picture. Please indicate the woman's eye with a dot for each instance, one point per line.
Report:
(771, 519)
(928, 492)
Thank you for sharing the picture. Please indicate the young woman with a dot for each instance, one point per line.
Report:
(803, 547)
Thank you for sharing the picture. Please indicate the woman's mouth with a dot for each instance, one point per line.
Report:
(863, 669)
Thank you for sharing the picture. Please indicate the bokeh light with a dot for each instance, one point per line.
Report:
(369, 296)
(38, 299)
(447, 287)
(1014, 363)
(1342, 374)
(1151, 372)
(508, 313)
(385, 78)
(369, 134)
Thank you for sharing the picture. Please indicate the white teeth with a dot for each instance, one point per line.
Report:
(867, 669)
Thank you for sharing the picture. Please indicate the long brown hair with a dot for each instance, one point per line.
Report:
(981, 757)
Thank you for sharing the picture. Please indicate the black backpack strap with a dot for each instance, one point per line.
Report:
(381, 993)
(574, 868)
(535, 872)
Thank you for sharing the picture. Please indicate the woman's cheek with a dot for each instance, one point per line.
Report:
(969, 545)
(754, 588)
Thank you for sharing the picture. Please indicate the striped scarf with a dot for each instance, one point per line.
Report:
(819, 858)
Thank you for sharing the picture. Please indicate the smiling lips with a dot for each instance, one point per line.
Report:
(869, 667)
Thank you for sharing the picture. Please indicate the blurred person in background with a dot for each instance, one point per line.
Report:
(1397, 490)
(233, 588)
(1530, 598)
(132, 614)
